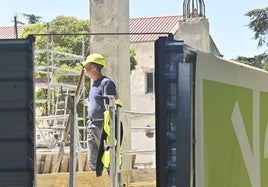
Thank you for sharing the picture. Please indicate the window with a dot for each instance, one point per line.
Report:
(150, 82)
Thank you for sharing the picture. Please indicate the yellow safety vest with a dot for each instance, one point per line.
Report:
(106, 127)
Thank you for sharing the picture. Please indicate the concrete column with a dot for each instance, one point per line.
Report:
(112, 16)
(195, 33)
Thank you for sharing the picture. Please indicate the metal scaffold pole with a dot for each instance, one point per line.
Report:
(118, 147)
(73, 137)
(114, 144)
(74, 142)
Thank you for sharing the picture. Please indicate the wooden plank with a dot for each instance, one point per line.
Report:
(84, 162)
(59, 156)
(145, 183)
(64, 166)
(42, 163)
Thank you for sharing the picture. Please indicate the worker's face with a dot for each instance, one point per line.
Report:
(89, 69)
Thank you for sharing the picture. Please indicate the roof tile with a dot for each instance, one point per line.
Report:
(8, 32)
(144, 29)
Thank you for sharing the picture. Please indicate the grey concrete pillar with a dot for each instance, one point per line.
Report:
(195, 33)
(112, 16)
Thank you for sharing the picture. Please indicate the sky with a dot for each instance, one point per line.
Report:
(227, 20)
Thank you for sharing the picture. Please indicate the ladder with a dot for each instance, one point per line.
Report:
(66, 131)
(61, 106)
(60, 119)
(62, 101)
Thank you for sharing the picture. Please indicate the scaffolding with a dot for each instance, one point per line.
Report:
(51, 124)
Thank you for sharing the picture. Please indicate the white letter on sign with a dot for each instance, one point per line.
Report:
(251, 158)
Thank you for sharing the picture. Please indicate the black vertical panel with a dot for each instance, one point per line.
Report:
(160, 99)
(174, 115)
(17, 127)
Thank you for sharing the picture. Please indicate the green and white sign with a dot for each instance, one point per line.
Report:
(231, 124)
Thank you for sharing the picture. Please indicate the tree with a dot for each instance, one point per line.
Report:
(61, 26)
(259, 24)
(31, 18)
(257, 61)
(265, 63)
(58, 51)
(133, 61)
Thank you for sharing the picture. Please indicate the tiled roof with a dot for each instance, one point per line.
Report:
(163, 24)
(8, 32)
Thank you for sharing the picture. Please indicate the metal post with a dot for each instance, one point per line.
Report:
(112, 146)
(114, 149)
(73, 138)
(118, 138)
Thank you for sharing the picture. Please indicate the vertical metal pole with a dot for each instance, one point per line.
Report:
(48, 110)
(84, 98)
(73, 139)
(77, 146)
(16, 27)
(118, 145)
(112, 143)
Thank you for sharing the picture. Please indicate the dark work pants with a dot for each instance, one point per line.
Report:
(93, 141)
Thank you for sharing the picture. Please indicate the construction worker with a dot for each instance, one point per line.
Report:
(100, 86)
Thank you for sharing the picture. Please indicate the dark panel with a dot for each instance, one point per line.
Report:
(16, 179)
(174, 114)
(17, 127)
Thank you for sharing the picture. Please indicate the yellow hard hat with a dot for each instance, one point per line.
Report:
(95, 58)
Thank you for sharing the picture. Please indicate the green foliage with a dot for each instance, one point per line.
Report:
(259, 61)
(40, 42)
(259, 24)
(64, 39)
(59, 53)
(62, 73)
(252, 61)
(133, 61)
(69, 25)
(31, 18)
(265, 62)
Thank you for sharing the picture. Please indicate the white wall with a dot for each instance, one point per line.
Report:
(142, 104)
